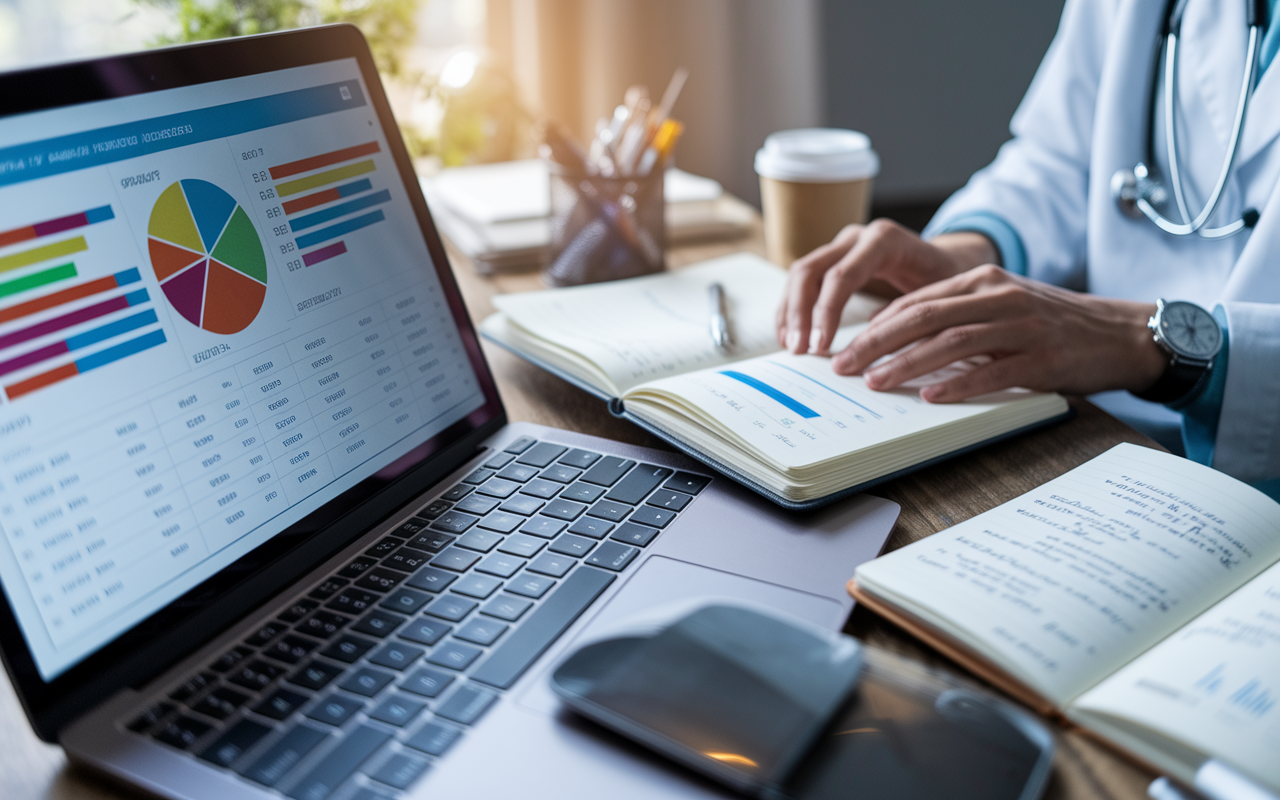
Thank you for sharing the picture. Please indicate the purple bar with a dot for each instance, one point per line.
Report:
(61, 224)
(65, 321)
(34, 357)
(324, 253)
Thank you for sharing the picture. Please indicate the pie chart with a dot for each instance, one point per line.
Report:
(207, 256)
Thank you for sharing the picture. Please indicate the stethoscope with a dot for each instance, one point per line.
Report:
(1137, 192)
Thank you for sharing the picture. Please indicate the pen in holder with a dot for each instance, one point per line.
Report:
(604, 228)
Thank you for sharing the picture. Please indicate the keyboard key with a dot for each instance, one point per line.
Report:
(366, 793)
(480, 541)
(381, 580)
(454, 655)
(255, 675)
(520, 445)
(290, 649)
(280, 704)
(427, 682)
(467, 704)
(638, 483)
(456, 493)
(433, 738)
(425, 631)
(502, 521)
(394, 655)
(220, 703)
(327, 589)
(192, 686)
(398, 710)
(348, 649)
(400, 770)
(541, 488)
(631, 533)
(579, 458)
(609, 510)
(430, 542)
(406, 559)
(499, 460)
(431, 579)
(665, 498)
(406, 601)
(506, 606)
(354, 601)
(530, 585)
(322, 624)
(356, 568)
(340, 763)
(552, 564)
(570, 545)
(435, 509)
(590, 526)
(560, 473)
(238, 738)
(501, 564)
(366, 681)
(478, 505)
(612, 556)
(454, 522)
(478, 476)
(522, 504)
(608, 470)
(544, 527)
(687, 482)
(266, 633)
(564, 509)
(335, 709)
(316, 675)
(652, 515)
(388, 545)
(182, 732)
(583, 492)
(407, 530)
(455, 559)
(521, 545)
(524, 644)
(482, 631)
(518, 472)
(451, 607)
(477, 586)
(281, 756)
(541, 454)
(498, 487)
(378, 623)
(298, 610)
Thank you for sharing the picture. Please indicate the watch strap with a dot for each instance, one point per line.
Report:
(1179, 379)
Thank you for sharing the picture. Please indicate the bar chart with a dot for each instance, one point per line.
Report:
(347, 198)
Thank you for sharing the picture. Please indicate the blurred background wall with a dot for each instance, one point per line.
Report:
(933, 82)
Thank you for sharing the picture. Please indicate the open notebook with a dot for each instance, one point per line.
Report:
(784, 425)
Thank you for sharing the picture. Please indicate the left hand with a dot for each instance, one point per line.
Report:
(1038, 336)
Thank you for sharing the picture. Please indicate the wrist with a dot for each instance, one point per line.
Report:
(1147, 361)
(967, 249)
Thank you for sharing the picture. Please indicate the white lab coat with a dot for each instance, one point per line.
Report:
(1083, 118)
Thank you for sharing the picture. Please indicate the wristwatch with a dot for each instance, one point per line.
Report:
(1191, 337)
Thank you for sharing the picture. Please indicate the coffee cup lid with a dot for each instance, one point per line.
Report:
(817, 155)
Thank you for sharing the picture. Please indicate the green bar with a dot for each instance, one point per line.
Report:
(55, 250)
(42, 278)
(312, 181)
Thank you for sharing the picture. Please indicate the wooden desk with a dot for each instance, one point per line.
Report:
(931, 500)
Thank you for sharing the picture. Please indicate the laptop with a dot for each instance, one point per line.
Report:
(267, 531)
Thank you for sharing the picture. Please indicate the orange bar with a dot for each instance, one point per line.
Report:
(42, 380)
(57, 298)
(316, 162)
(17, 235)
(311, 201)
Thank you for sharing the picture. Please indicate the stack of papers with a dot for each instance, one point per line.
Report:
(498, 215)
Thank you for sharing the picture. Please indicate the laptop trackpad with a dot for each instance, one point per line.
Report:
(662, 581)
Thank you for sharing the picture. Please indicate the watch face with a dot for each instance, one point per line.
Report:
(1190, 330)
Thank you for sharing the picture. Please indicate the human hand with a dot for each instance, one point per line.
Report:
(819, 285)
(1038, 336)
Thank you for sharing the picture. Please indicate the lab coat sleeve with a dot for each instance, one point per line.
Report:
(1247, 444)
(1038, 183)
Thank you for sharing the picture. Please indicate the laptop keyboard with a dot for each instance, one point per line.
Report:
(365, 678)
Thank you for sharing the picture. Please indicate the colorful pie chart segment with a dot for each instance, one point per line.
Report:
(207, 256)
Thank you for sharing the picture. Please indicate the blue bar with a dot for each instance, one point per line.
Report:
(134, 298)
(26, 162)
(104, 357)
(312, 220)
(355, 187)
(126, 277)
(334, 231)
(769, 391)
(100, 214)
(828, 388)
(140, 320)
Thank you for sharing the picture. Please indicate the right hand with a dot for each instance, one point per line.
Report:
(819, 284)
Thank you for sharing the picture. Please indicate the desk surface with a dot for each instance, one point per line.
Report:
(931, 499)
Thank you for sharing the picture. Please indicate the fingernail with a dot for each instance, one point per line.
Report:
(874, 377)
(793, 340)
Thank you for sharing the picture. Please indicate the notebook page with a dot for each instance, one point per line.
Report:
(1065, 584)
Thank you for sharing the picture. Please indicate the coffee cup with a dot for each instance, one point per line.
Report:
(813, 182)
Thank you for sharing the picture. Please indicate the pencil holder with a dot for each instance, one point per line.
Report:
(603, 229)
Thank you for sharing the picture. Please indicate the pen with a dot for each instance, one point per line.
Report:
(719, 322)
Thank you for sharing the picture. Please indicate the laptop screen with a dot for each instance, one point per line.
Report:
(217, 313)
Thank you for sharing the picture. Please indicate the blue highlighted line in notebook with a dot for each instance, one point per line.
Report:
(772, 393)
